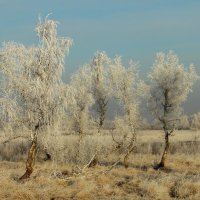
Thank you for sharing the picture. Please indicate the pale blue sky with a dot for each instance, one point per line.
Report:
(134, 29)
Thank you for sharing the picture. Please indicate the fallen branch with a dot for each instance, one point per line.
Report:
(93, 162)
(83, 173)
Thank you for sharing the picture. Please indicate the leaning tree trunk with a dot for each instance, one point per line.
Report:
(166, 108)
(31, 155)
(30, 160)
(166, 149)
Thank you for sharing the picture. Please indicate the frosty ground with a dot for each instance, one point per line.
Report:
(57, 180)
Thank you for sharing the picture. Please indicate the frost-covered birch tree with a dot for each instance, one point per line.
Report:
(33, 76)
(100, 86)
(125, 89)
(183, 122)
(8, 110)
(195, 121)
(82, 99)
(170, 83)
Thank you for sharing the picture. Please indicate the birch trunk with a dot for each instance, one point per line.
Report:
(30, 160)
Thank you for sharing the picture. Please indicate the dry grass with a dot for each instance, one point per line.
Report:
(50, 180)
(180, 180)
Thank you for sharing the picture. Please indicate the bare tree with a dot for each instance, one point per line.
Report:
(33, 76)
(100, 85)
(169, 86)
(125, 90)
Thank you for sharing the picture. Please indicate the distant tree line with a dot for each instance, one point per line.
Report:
(184, 122)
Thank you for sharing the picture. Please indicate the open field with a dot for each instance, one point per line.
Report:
(57, 180)
(179, 135)
(91, 110)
